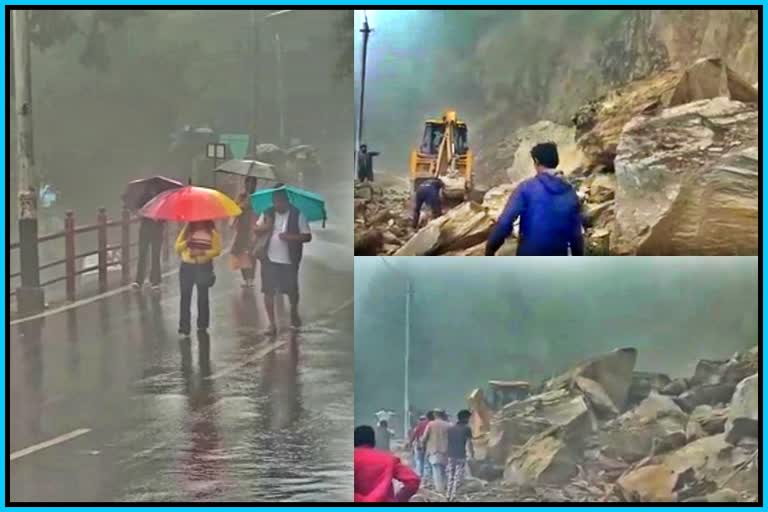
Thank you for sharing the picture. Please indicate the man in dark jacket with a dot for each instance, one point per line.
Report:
(428, 193)
(548, 208)
(365, 163)
(150, 245)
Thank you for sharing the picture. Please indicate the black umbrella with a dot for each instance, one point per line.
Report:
(139, 192)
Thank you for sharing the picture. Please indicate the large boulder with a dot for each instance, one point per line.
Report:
(744, 411)
(711, 421)
(676, 387)
(613, 371)
(460, 228)
(706, 394)
(599, 123)
(703, 463)
(519, 421)
(711, 78)
(495, 199)
(546, 458)
(708, 371)
(643, 383)
(654, 483)
(597, 397)
(708, 457)
(525, 138)
(656, 425)
(602, 187)
(687, 181)
(741, 366)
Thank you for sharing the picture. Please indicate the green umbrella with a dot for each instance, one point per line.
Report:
(308, 203)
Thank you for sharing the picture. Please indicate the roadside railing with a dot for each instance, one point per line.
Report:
(105, 248)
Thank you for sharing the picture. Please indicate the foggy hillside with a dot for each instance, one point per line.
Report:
(530, 319)
(502, 70)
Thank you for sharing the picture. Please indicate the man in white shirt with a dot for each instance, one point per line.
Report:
(289, 231)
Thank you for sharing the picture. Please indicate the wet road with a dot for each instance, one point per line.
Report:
(108, 404)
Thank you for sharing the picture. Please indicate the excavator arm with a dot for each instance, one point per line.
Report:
(444, 159)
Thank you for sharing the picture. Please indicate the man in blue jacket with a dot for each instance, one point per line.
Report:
(428, 192)
(549, 211)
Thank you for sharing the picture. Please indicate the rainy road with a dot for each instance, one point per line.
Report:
(107, 404)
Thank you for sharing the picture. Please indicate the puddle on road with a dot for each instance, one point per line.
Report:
(278, 429)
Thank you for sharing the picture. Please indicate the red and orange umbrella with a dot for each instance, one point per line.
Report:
(190, 204)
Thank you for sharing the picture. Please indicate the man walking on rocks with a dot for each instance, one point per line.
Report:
(435, 441)
(414, 441)
(459, 439)
(548, 208)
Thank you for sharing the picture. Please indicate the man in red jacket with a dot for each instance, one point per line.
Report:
(376, 471)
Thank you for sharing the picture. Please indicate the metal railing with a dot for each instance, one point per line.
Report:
(102, 228)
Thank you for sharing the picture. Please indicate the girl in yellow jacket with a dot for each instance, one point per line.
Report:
(197, 245)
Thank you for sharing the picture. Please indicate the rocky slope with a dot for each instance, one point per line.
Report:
(587, 55)
(664, 165)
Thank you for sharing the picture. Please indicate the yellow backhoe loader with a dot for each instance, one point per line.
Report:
(444, 153)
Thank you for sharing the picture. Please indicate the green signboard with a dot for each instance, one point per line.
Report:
(237, 142)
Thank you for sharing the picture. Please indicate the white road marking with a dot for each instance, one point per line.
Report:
(279, 343)
(82, 302)
(255, 357)
(47, 444)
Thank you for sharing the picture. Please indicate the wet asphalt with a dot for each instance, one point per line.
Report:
(229, 416)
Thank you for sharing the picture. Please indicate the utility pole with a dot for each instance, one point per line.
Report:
(255, 93)
(280, 104)
(366, 31)
(407, 355)
(407, 364)
(30, 294)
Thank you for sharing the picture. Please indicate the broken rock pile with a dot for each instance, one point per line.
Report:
(382, 219)
(683, 146)
(602, 431)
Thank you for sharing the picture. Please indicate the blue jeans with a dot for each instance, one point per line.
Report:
(438, 474)
(437, 468)
(418, 461)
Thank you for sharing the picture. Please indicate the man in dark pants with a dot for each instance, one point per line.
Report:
(428, 192)
(150, 243)
(288, 232)
(548, 208)
(365, 163)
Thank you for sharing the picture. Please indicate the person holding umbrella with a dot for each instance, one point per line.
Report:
(198, 243)
(150, 243)
(242, 246)
(286, 230)
(137, 194)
